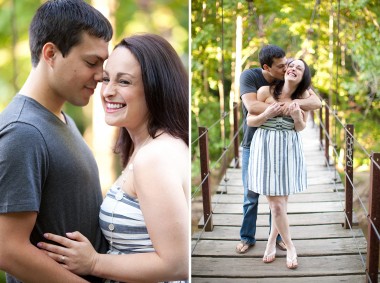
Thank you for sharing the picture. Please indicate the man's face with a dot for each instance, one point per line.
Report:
(77, 74)
(278, 68)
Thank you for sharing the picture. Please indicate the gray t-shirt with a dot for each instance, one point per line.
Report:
(250, 81)
(46, 166)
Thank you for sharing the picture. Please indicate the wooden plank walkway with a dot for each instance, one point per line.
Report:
(326, 251)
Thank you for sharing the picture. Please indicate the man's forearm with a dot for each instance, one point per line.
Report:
(28, 264)
(311, 103)
(256, 107)
(256, 120)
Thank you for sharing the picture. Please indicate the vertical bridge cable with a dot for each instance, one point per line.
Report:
(224, 114)
(311, 30)
(335, 106)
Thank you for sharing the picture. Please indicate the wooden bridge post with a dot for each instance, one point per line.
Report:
(349, 174)
(327, 134)
(236, 135)
(374, 216)
(205, 174)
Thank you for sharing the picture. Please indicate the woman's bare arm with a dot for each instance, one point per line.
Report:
(273, 110)
(299, 116)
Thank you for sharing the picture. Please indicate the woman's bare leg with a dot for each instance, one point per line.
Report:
(279, 207)
(270, 250)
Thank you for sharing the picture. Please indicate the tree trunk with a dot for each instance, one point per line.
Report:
(236, 72)
(331, 52)
(221, 77)
(14, 43)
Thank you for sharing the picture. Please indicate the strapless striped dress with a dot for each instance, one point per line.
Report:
(129, 233)
(276, 162)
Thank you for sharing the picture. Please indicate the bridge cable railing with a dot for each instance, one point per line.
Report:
(348, 221)
(206, 170)
(373, 215)
(202, 135)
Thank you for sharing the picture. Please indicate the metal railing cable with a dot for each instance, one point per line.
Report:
(354, 188)
(223, 116)
(341, 201)
(332, 112)
(223, 156)
(216, 202)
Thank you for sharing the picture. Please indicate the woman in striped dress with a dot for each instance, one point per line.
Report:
(145, 214)
(276, 165)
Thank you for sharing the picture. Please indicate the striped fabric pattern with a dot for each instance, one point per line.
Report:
(130, 234)
(276, 163)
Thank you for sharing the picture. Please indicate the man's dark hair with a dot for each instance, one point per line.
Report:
(268, 52)
(62, 22)
(166, 89)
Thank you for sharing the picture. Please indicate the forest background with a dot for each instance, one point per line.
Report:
(340, 41)
(168, 18)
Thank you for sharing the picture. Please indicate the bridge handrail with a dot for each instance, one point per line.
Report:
(206, 170)
(372, 260)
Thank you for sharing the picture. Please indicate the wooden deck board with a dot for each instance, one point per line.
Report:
(313, 171)
(302, 197)
(318, 188)
(255, 268)
(309, 247)
(298, 232)
(294, 219)
(311, 181)
(316, 279)
(236, 208)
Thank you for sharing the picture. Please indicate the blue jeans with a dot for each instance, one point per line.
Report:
(250, 206)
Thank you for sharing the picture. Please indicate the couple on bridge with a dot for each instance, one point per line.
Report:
(276, 100)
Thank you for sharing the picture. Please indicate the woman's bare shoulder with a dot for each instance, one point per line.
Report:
(306, 94)
(263, 93)
(162, 149)
(165, 158)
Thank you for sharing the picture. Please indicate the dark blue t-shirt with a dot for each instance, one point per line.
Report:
(250, 81)
(46, 166)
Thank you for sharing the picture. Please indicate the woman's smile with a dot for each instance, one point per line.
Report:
(113, 106)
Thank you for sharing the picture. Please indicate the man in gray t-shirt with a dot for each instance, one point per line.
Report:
(55, 176)
(48, 176)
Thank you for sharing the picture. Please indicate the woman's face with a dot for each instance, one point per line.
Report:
(294, 71)
(122, 91)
